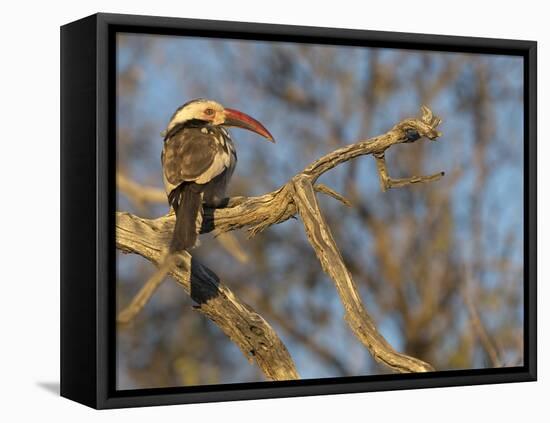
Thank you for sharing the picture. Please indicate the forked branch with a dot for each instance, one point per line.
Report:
(148, 237)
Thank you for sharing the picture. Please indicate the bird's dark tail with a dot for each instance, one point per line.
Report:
(186, 200)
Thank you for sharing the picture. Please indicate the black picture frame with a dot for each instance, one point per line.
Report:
(88, 180)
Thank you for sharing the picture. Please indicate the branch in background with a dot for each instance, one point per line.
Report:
(258, 213)
(232, 245)
(139, 195)
(165, 266)
(477, 324)
(305, 338)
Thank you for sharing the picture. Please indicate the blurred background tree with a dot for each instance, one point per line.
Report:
(439, 266)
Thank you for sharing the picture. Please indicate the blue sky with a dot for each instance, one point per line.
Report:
(169, 71)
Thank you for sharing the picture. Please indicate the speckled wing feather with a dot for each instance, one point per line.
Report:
(187, 155)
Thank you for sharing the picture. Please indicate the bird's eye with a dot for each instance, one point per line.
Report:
(209, 112)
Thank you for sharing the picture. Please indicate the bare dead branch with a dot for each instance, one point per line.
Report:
(145, 236)
(320, 238)
(140, 195)
(246, 328)
(408, 130)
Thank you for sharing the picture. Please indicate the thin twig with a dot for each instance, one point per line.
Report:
(330, 192)
(386, 182)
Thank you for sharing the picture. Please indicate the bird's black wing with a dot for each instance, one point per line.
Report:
(187, 155)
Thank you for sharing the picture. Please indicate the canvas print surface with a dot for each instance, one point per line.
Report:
(382, 231)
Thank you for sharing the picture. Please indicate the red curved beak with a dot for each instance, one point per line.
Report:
(242, 120)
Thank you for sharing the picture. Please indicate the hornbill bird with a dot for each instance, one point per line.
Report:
(198, 159)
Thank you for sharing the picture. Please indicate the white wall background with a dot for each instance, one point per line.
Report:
(29, 175)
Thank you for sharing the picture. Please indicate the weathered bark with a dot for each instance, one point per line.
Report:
(320, 238)
(246, 328)
(149, 237)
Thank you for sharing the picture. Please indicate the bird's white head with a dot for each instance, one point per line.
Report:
(208, 112)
